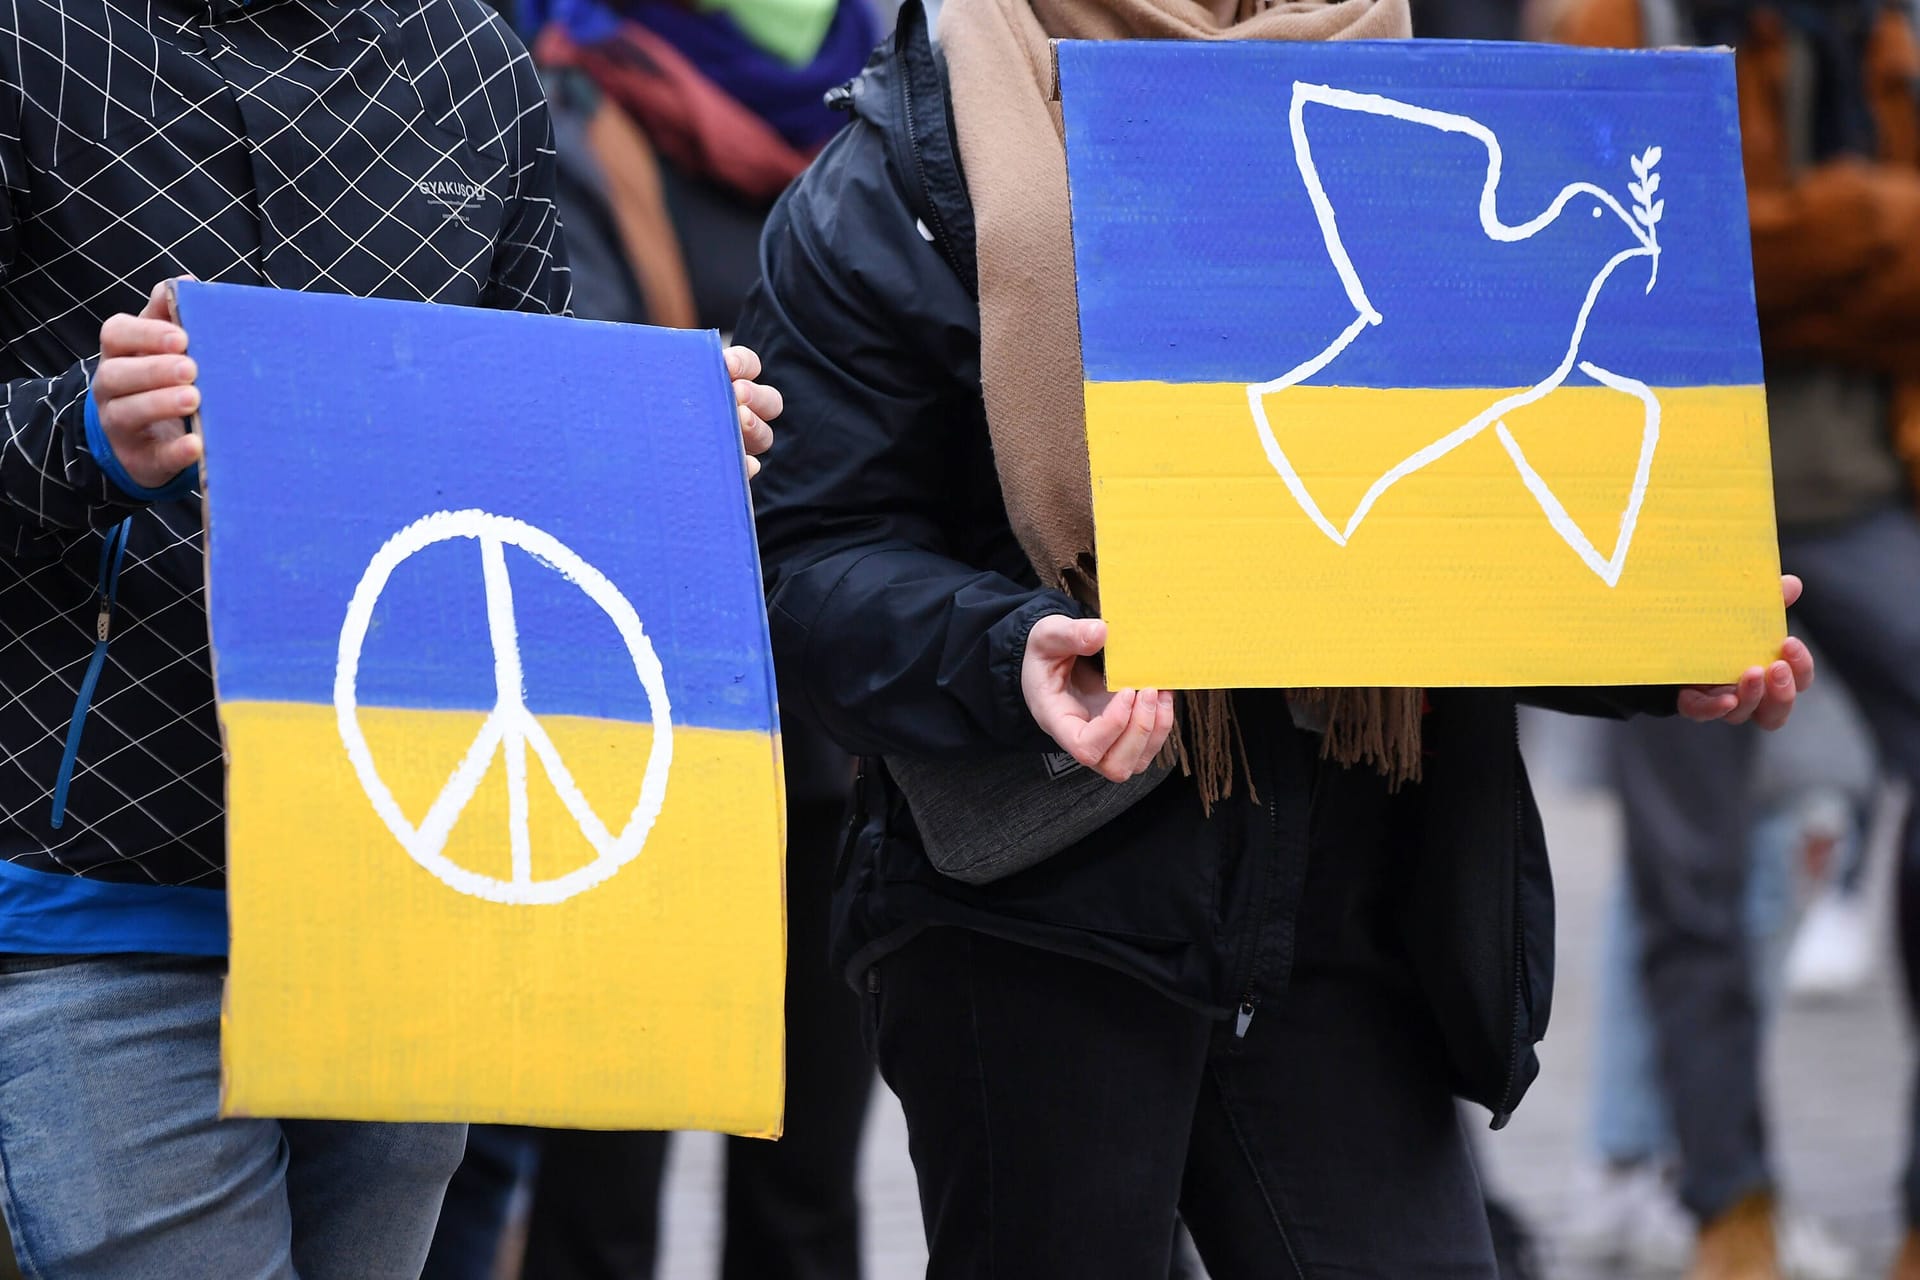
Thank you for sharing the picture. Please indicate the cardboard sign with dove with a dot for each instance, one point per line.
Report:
(1419, 363)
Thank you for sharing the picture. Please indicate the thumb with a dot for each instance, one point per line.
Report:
(1058, 636)
(1089, 636)
(157, 307)
(160, 300)
(181, 452)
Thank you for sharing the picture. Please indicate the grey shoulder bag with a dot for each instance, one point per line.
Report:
(983, 820)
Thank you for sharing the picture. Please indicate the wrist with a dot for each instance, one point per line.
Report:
(1015, 723)
(100, 445)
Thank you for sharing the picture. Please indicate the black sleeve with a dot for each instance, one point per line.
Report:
(47, 470)
(48, 475)
(895, 643)
(530, 270)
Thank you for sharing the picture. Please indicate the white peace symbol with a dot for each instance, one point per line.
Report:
(509, 727)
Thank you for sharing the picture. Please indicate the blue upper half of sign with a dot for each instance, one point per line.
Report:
(1204, 255)
(333, 424)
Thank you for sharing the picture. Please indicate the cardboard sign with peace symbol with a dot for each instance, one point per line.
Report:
(504, 812)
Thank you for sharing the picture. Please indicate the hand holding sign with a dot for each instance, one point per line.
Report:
(1763, 695)
(759, 405)
(1115, 734)
(143, 391)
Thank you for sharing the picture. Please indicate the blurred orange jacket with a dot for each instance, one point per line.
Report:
(1836, 247)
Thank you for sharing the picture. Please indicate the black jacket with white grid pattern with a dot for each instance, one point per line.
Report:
(389, 148)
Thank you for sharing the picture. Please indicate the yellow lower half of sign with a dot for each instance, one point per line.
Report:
(363, 986)
(1214, 574)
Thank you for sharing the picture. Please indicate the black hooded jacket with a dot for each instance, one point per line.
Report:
(900, 604)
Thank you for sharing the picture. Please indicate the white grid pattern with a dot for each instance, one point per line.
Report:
(295, 143)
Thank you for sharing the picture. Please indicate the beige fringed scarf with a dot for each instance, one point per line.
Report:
(1010, 144)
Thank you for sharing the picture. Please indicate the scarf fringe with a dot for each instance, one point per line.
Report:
(1205, 745)
(1380, 727)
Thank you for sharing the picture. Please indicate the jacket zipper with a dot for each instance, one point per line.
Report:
(112, 551)
(855, 820)
(1250, 996)
(1514, 1048)
(937, 224)
(1294, 888)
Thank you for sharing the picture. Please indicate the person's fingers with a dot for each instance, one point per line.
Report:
(763, 400)
(159, 305)
(1099, 734)
(176, 455)
(1066, 697)
(130, 415)
(743, 363)
(1751, 689)
(1777, 705)
(1089, 636)
(1122, 760)
(1052, 637)
(1708, 704)
(753, 466)
(129, 375)
(756, 436)
(1799, 660)
(1059, 714)
(1162, 730)
(1058, 636)
(1081, 732)
(1790, 588)
(125, 335)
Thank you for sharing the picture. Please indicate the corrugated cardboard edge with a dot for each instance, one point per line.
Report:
(195, 424)
(778, 1126)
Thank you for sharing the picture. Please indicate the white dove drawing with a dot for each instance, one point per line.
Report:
(1641, 222)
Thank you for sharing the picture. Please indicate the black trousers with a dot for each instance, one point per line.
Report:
(792, 1211)
(1061, 1114)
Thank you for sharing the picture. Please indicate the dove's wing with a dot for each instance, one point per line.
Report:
(1366, 314)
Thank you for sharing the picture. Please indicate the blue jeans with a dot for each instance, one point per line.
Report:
(113, 1165)
(1631, 1118)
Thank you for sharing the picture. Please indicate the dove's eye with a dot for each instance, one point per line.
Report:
(1596, 211)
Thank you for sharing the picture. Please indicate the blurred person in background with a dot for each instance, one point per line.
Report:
(1817, 778)
(676, 125)
(1466, 19)
(1836, 818)
(1831, 135)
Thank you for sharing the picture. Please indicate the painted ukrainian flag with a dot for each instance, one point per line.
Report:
(1419, 363)
(504, 811)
